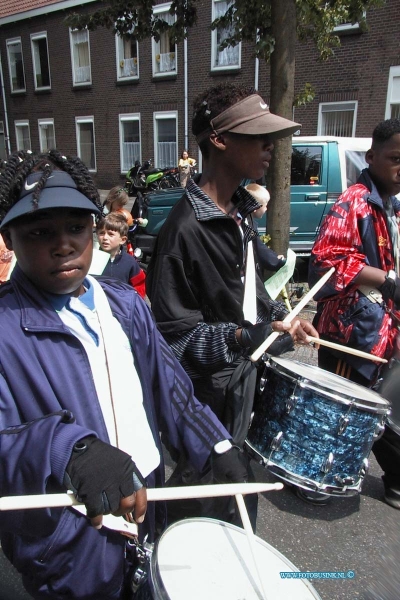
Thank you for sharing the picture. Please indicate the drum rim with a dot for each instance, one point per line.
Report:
(155, 571)
(294, 479)
(381, 408)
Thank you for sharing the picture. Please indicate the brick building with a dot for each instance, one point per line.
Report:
(111, 101)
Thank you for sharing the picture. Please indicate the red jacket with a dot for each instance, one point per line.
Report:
(354, 234)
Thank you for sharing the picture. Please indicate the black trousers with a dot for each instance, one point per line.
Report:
(387, 448)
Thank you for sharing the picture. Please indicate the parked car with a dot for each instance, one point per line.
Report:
(322, 168)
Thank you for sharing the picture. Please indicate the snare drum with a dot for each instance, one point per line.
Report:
(209, 559)
(313, 428)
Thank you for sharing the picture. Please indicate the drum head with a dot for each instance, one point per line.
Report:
(209, 559)
(336, 387)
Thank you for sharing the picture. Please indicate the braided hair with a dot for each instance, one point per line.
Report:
(22, 163)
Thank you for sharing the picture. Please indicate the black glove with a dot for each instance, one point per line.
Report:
(229, 467)
(390, 289)
(254, 335)
(101, 475)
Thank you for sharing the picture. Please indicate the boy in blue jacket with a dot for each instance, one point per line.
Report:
(68, 345)
(112, 233)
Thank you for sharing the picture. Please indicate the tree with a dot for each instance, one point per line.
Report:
(274, 26)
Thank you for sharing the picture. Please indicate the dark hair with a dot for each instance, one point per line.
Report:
(115, 222)
(214, 101)
(21, 163)
(385, 130)
(184, 150)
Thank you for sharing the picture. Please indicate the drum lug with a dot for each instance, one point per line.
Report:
(327, 466)
(345, 481)
(343, 422)
(379, 429)
(364, 468)
(277, 441)
(290, 404)
(261, 385)
(143, 556)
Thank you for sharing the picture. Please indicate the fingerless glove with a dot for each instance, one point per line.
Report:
(100, 475)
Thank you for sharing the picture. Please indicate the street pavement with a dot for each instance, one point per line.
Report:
(359, 534)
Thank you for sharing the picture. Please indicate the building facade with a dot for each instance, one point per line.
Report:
(113, 101)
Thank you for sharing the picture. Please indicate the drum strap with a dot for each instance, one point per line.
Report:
(250, 298)
(240, 394)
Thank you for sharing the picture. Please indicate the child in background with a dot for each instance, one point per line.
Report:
(6, 257)
(268, 259)
(116, 200)
(112, 233)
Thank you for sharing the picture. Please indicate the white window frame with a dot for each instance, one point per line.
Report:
(214, 45)
(18, 124)
(156, 55)
(76, 83)
(34, 38)
(121, 60)
(43, 123)
(9, 43)
(161, 115)
(123, 118)
(79, 121)
(338, 106)
(348, 27)
(393, 93)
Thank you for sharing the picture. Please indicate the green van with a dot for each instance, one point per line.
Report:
(322, 168)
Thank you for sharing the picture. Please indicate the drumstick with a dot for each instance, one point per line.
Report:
(244, 515)
(153, 494)
(359, 353)
(290, 316)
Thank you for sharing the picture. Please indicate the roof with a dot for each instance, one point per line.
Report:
(353, 143)
(17, 10)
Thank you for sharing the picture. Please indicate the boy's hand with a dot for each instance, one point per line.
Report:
(106, 480)
(229, 467)
(390, 289)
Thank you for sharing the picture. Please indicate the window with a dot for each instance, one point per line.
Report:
(306, 165)
(228, 57)
(40, 57)
(127, 58)
(22, 135)
(47, 138)
(85, 141)
(337, 118)
(164, 51)
(355, 162)
(165, 136)
(129, 136)
(393, 94)
(16, 65)
(80, 56)
(347, 27)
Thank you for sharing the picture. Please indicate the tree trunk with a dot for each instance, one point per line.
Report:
(283, 17)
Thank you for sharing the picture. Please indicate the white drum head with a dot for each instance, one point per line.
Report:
(209, 559)
(331, 384)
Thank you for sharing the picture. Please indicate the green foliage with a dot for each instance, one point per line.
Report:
(306, 95)
(245, 19)
(265, 238)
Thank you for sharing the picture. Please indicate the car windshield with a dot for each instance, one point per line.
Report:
(355, 163)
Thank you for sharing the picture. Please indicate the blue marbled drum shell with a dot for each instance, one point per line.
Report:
(310, 431)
